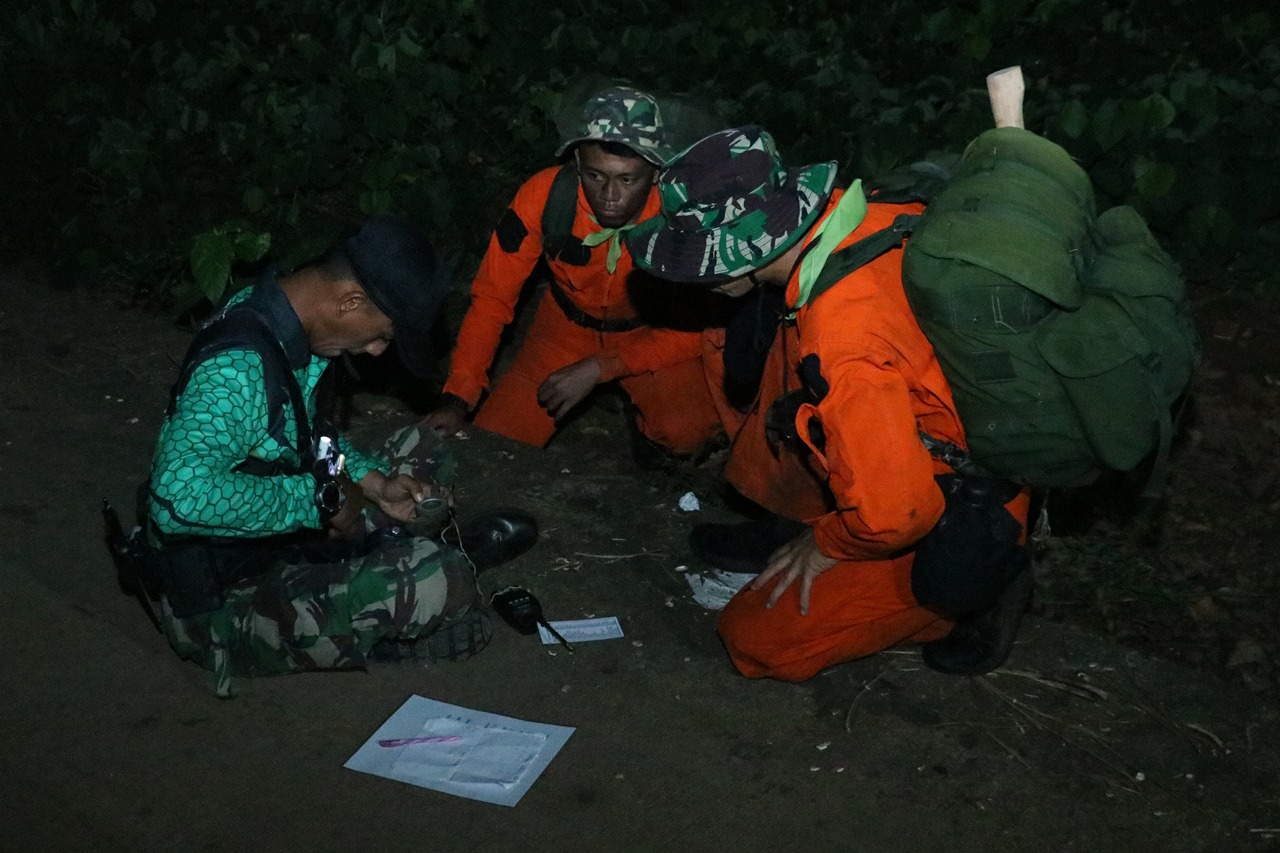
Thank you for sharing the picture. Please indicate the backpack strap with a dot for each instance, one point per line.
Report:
(846, 260)
(242, 328)
(560, 210)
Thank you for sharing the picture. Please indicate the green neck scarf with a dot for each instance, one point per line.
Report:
(614, 236)
(842, 222)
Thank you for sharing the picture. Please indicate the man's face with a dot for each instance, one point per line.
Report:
(355, 326)
(615, 187)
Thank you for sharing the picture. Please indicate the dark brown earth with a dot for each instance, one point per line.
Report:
(1138, 711)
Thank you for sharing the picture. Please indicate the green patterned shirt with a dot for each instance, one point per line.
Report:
(220, 420)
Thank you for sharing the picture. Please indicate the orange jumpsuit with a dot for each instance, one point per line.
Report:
(660, 369)
(885, 386)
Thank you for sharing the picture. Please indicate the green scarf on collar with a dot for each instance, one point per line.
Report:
(842, 222)
(614, 236)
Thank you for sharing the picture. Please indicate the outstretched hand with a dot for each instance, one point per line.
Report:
(448, 417)
(568, 386)
(798, 559)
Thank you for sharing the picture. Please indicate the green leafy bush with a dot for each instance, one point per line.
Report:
(162, 144)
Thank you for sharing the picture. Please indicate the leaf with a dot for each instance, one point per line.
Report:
(408, 46)
(1073, 119)
(978, 46)
(375, 201)
(387, 58)
(253, 199)
(251, 246)
(1156, 112)
(322, 122)
(1153, 179)
(211, 256)
(1108, 125)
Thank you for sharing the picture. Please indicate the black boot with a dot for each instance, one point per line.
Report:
(743, 547)
(494, 536)
(981, 641)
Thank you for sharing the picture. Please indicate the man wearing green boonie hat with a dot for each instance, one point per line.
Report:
(877, 529)
(587, 330)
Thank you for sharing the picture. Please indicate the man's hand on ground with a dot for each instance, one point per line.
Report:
(449, 415)
(569, 386)
(799, 558)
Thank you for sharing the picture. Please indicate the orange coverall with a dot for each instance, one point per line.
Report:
(885, 386)
(660, 369)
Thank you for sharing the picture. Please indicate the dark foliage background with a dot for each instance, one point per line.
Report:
(162, 145)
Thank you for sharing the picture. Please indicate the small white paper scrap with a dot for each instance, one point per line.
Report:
(467, 753)
(689, 502)
(583, 630)
(714, 589)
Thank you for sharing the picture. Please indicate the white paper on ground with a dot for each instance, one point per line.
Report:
(583, 630)
(689, 502)
(714, 589)
(487, 757)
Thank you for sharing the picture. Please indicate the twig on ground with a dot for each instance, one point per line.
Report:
(1013, 753)
(1217, 741)
(1037, 718)
(866, 686)
(1084, 691)
(620, 556)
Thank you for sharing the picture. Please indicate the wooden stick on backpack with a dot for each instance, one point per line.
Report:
(1005, 89)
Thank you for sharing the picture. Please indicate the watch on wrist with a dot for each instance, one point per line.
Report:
(329, 499)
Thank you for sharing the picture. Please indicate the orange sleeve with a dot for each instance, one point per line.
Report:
(646, 350)
(879, 470)
(514, 249)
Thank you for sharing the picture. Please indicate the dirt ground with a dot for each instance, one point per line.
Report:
(1138, 711)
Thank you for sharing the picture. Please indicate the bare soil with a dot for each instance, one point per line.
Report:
(1138, 711)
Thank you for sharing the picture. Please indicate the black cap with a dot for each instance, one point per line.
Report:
(405, 278)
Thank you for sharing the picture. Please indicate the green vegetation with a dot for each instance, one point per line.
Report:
(166, 145)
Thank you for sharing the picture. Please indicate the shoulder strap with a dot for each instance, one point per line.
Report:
(920, 181)
(242, 328)
(846, 260)
(560, 210)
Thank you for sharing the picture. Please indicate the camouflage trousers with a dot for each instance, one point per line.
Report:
(301, 615)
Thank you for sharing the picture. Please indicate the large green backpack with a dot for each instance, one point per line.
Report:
(1066, 336)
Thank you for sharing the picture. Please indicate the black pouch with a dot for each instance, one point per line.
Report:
(196, 574)
(969, 556)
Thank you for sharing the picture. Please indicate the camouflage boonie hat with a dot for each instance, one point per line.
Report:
(729, 207)
(625, 115)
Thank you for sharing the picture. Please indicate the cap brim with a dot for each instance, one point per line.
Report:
(701, 256)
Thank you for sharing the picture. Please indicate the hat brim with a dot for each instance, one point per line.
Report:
(656, 156)
(715, 255)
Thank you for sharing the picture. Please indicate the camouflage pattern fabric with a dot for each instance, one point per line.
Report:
(729, 207)
(625, 115)
(306, 616)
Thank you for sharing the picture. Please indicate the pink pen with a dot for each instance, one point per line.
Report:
(405, 741)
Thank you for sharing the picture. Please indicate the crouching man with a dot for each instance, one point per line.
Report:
(901, 548)
(276, 546)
